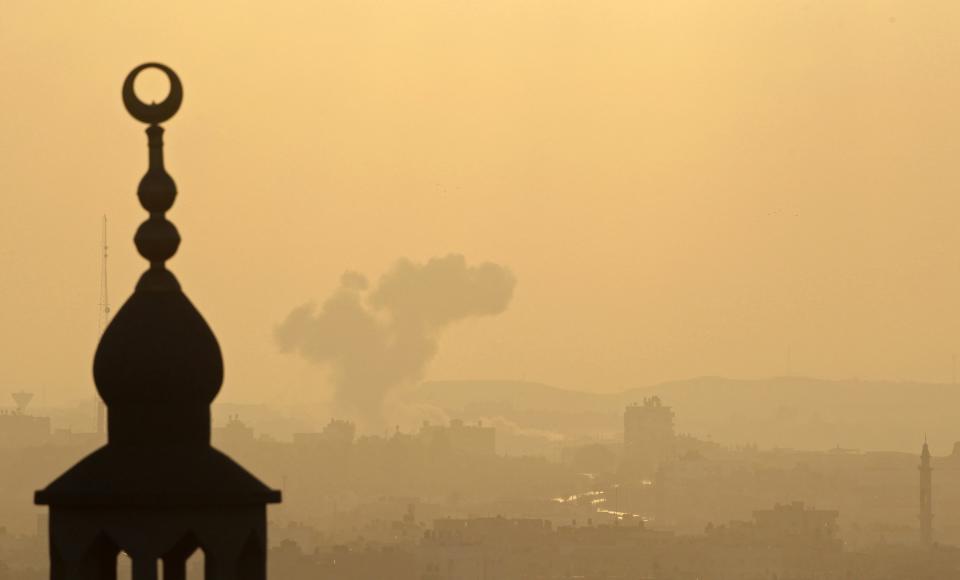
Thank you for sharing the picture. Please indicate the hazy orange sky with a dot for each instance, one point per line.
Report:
(681, 188)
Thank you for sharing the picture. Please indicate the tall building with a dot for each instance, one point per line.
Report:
(648, 438)
(926, 497)
(157, 490)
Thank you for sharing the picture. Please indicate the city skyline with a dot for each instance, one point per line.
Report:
(480, 290)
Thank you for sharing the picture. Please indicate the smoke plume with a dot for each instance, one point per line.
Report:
(374, 340)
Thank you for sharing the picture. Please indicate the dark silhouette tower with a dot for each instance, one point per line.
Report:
(926, 497)
(157, 490)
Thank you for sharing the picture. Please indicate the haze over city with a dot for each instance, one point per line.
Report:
(681, 189)
(500, 290)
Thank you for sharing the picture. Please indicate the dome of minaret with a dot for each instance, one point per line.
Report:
(158, 361)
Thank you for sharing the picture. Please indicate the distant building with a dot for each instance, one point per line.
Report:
(788, 541)
(648, 438)
(795, 522)
(17, 428)
(338, 432)
(482, 531)
(234, 434)
(460, 438)
(67, 437)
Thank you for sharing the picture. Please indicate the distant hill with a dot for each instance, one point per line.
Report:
(514, 394)
(796, 412)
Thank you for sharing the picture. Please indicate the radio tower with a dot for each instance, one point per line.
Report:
(103, 318)
(926, 500)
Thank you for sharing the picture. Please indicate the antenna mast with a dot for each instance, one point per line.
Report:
(103, 318)
(104, 307)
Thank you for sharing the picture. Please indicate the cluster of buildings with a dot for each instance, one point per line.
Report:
(456, 437)
(787, 541)
(666, 508)
(658, 505)
(19, 427)
(680, 483)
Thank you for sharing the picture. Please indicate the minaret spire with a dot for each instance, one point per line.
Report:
(926, 497)
(157, 239)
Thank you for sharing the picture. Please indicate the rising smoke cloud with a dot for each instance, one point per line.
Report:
(374, 340)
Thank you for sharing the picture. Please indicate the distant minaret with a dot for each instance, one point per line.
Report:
(926, 500)
(102, 320)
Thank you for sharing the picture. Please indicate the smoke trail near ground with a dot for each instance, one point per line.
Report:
(374, 340)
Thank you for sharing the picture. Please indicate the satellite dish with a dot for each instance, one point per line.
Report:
(22, 400)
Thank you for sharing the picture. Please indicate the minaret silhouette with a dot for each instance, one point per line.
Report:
(926, 498)
(157, 490)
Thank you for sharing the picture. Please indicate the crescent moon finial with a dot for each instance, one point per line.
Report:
(154, 113)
